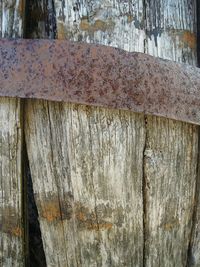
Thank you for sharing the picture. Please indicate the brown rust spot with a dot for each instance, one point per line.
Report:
(87, 219)
(51, 211)
(190, 39)
(10, 222)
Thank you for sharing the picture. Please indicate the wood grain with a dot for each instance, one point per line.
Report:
(89, 185)
(11, 227)
(170, 166)
(82, 190)
(172, 147)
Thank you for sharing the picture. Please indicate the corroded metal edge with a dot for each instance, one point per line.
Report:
(61, 70)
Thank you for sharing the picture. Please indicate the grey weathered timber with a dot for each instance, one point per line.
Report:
(170, 165)
(62, 138)
(11, 228)
(171, 149)
(88, 187)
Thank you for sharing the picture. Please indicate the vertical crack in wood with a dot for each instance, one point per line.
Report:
(24, 191)
(51, 26)
(36, 21)
(144, 193)
(144, 182)
(33, 245)
(198, 32)
(40, 19)
(190, 258)
(145, 25)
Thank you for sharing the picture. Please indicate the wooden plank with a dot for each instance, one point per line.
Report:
(88, 195)
(170, 177)
(11, 228)
(114, 23)
(194, 249)
(88, 187)
(168, 172)
(172, 147)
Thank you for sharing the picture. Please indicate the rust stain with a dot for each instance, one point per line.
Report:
(10, 222)
(96, 75)
(190, 39)
(88, 220)
(51, 211)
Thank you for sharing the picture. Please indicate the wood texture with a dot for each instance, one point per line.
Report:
(170, 176)
(67, 142)
(172, 147)
(89, 185)
(11, 228)
(114, 23)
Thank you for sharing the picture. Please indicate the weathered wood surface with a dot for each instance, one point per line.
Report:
(89, 185)
(11, 227)
(170, 162)
(82, 218)
(92, 213)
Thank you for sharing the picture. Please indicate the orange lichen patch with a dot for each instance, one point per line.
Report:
(130, 18)
(17, 231)
(61, 31)
(81, 216)
(89, 221)
(51, 212)
(98, 25)
(100, 226)
(190, 39)
(169, 226)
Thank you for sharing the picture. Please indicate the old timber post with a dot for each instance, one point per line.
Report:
(11, 182)
(112, 188)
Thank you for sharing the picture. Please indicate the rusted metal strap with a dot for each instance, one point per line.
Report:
(101, 76)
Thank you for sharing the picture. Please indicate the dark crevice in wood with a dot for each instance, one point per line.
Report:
(190, 258)
(198, 32)
(144, 194)
(50, 27)
(24, 190)
(36, 21)
(35, 245)
(144, 182)
(40, 19)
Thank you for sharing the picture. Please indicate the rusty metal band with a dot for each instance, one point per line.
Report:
(101, 76)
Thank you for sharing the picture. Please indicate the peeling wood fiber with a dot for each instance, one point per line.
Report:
(11, 211)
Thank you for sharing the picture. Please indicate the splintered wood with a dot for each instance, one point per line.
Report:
(11, 219)
(114, 188)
